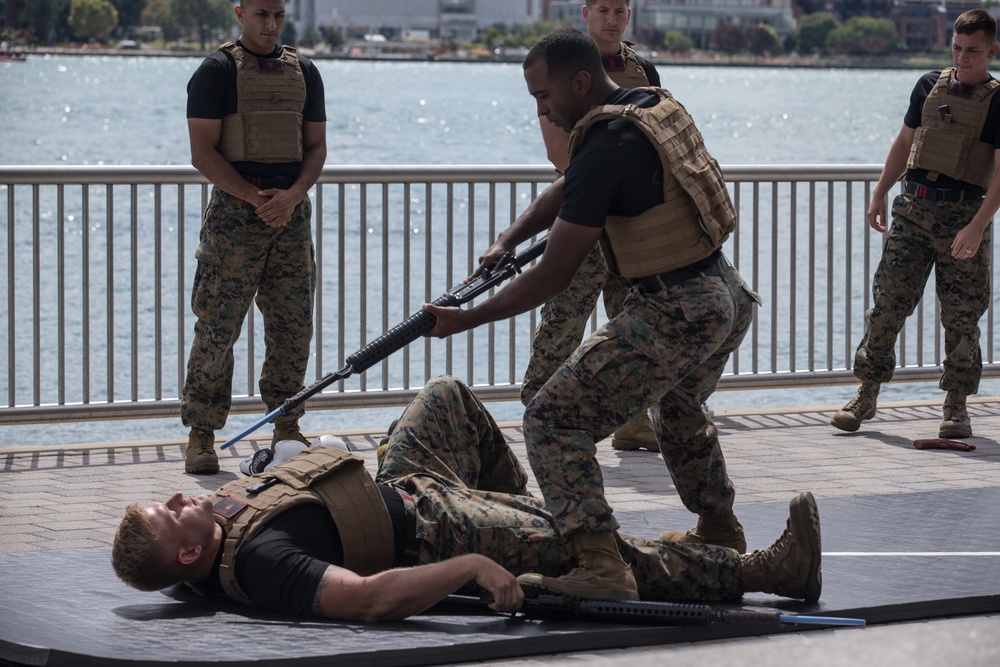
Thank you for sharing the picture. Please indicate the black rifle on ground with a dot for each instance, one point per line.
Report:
(406, 332)
(649, 613)
(665, 613)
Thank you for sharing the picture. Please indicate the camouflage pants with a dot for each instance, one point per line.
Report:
(920, 239)
(564, 319)
(666, 352)
(471, 497)
(239, 258)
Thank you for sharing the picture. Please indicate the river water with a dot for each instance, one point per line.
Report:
(131, 111)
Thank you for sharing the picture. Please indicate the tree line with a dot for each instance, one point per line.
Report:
(51, 22)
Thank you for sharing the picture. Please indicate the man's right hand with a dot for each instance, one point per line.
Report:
(502, 585)
(492, 255)
(876, 213)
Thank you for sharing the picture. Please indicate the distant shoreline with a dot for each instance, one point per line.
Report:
(698, 60)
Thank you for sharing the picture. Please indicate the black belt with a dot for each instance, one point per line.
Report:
(921, 191)
(677, 277)
(269, 182)
(411, 553)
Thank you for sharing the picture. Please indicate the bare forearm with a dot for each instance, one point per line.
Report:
(567, 247)
(538, 217)
(895, 166)
(529, 290)
(309, 171)
(224, 176)
(989, 207)
(394, 594)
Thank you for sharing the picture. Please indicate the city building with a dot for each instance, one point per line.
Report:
(459, 20)
(922, 26)
(697, 19)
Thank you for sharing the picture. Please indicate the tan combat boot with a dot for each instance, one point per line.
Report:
(956, 423)
(637, 434)
(858, 409)
(601, 575)
(200, 456)
(791, 566)
(288, 431)
(721, 531)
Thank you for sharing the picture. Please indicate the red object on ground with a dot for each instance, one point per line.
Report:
(943, 443)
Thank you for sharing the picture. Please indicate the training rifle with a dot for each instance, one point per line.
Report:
(406, 332)
(643, 612)
(666, 613)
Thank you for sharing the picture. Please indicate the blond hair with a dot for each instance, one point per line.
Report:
(137, 556)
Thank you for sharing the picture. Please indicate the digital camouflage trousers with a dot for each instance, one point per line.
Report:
(240, 258)
(471, 497)
(920, 239)
(564, 317)
(665, 352)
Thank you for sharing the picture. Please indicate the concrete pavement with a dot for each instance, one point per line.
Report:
(69, 498)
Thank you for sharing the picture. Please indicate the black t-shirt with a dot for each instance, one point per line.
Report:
(281, 565)
(616, 171)
(212, 94)
(650, 70)
(914, 119)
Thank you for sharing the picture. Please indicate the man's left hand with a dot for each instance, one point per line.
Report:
(966, 243)
(450, 320)
(277, 212)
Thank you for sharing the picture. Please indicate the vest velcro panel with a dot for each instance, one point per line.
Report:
(948, 139)
(267, 125)
(320, 475)
(633, 76)
(697, 215)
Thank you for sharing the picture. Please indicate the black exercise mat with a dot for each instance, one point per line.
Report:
(68, 608)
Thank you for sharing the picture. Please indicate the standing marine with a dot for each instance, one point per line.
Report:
(257, 121)
(946, 154)
(661, 216)
(564, 318)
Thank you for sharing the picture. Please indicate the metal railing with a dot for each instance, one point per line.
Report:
(97, 325)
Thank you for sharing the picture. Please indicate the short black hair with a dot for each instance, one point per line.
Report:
(566, 52)
(975, 20)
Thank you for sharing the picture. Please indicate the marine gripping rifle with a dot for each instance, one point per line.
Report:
(406, 332)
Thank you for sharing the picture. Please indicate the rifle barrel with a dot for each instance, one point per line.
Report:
(404, 333)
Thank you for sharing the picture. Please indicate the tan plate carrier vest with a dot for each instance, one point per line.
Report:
(321, 475)
(267, 125)
(696, 216)
(633, 76)
(947, 141)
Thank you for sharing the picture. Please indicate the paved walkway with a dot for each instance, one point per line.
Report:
(61, 498)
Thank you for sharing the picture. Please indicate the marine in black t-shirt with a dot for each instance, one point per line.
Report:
(913, 119)
(212, 94)
(281, 565)
(616, 171)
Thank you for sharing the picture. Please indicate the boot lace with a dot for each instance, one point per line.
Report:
(770, 557)
(203, 443)
(861, 401)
